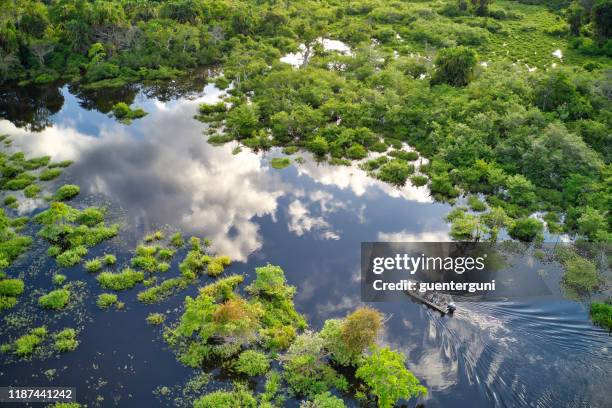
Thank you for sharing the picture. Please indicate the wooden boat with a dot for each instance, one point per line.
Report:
(440, 302)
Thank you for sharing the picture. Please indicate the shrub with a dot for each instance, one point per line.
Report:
(347, 339)
(356, 152)
(581, 275)
(240, 397)
(454, 66)
(404, 155)
(61, 164)
(318, 145)
(601, 313)
(7, 302)
(207, 109)
(65, 340)
(476, 204)
(165, 254)
(252, 363)
(56, 299)
(324, 400)
(395, 172)
(306, 372)
(121, 110)
(419, 180)
(67, 192)
(526, 229)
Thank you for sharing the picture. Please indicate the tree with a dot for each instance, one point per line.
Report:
(318, 145)
(395, 172)
(592, 224)
(347, 339)
(41, 48)
(455, 66)
(575, 17)
(601, 16)
(520, 190)
(467, 228)
(481, 7)
(360, 328)
(526, 229)
(387, 377)
(243, 120)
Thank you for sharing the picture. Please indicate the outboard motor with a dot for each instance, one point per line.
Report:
(451, 307)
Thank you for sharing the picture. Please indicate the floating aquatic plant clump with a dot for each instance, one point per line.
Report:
(66, 340)
(56, 299)
(125, 114)
(126, 279)
(10, 291)
(67, 192)
(71, 232)
(106, 300)
(197, 261)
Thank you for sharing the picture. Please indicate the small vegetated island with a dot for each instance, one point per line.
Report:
(502, 108)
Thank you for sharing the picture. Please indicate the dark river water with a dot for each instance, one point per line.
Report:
(310, 218)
